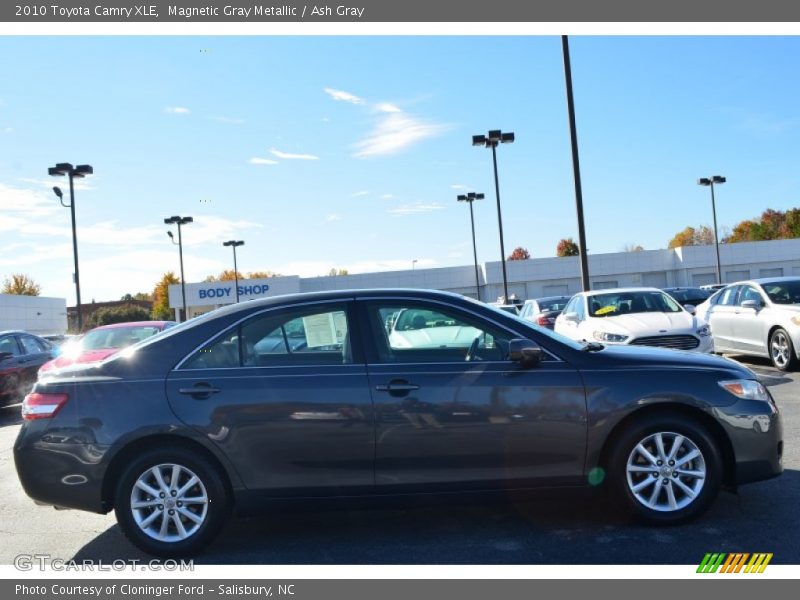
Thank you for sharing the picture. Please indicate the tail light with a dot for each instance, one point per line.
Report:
(544, 321)
(42, 406)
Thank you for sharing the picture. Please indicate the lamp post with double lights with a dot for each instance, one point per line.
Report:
(469, 199)
(176, 220)
(710, 182)
(491, 140)
(234, 244)
(73, 173)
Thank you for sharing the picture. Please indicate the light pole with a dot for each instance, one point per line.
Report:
(77, 172)
(470, 198)
(180, 221)
(710, 181)
(576, 165)
(414, 265)
(491, 140)
(234, 244)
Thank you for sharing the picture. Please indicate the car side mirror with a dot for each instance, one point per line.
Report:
(5, 356)
(754, 304)
(690, 308)
(525, 352)
(572, 317)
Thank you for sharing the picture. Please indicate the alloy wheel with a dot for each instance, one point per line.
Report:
(779, 349)
(666, 471)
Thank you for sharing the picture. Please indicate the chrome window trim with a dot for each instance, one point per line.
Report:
(467, 310)
(213, 339)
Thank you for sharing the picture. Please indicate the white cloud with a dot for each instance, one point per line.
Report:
(387, 196)
(360, 194)
(455, 254)
(290, 156)
(387, 107)
(27, 202)
(228, 120)
(177, 110)
(459, 186)
(415, 209)
(343, 96)
(80, 184)
(318, 268)
(395, 132)
(262, 161)
(333, 217)
(17, 255)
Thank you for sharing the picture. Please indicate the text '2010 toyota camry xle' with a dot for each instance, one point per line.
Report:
(383, 392)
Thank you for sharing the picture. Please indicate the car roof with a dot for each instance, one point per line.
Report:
(619, 290)
(17, 331)
(765, 280)
(680, 288)
(133, 324)
(548, 298)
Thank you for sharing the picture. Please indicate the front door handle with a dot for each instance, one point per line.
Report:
(200, 391)
(397, 387)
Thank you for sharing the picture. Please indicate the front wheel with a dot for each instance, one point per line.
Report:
(171, 502)
(781, 350)
(667, 470)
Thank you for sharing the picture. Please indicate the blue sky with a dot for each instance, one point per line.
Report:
(349, 152)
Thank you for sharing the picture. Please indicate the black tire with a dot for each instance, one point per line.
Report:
(643, 429)
(785, 363)
(218, 502)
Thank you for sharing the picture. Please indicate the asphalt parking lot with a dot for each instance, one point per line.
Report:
(580, 529)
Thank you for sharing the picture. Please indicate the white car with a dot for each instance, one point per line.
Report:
(634, 316)
(759, 317)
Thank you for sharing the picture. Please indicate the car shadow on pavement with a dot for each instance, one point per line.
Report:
(767, 374)
(10, 415)
(573, 529)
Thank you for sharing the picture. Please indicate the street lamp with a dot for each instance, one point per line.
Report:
(491, 140)
(77, 172)
(413, 264)
(710, 181)
(180, 221)
(234, 244)
(470, 198)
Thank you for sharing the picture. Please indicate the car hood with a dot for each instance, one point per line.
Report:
(648, 356)
(88, 356)
(648, 323)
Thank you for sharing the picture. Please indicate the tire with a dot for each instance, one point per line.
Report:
(142, 524)
(628, 468)
(781, 350)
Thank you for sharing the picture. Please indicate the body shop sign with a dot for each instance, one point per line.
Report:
(226, 292)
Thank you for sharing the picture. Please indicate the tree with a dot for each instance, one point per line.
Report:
(143, 296)
(519, 253)
(567, 247)
(161, 310)
(127, 298)
(335, 272)
(229, 275)
(632, 248)
(771, 225)
(262, 274)
(690, 236)
(118, 314)
(20, 284)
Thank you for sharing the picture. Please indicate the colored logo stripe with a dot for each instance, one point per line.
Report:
(735, 562)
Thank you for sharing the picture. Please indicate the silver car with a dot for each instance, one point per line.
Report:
(760, 317)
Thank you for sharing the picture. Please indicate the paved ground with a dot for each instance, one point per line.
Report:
(579, 529)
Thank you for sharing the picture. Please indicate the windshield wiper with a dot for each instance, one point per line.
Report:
(593, 347)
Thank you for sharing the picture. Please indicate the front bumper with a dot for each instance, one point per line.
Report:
(756, 433)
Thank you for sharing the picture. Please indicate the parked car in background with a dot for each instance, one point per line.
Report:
(181, 430)
(759, 317)
(701, 310)
(689, 297)
(544, 311)
(509, 308)
(21, 356)
(59, 339)
(101, 342)
(713, 287)
(635, 316)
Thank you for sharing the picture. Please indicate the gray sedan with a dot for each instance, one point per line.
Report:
(760, 317)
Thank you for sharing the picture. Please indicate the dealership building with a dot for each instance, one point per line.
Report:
(533, 278)
(35, 314)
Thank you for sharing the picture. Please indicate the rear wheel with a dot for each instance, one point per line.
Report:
(666, 469)
(781, 350)
(171, 502)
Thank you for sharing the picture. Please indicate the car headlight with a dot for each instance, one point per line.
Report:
(747, 389)
(704, 331)
(604, 336)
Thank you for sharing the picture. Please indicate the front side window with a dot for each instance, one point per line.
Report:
(412, 332)
(749, 293)
(9, 345)
(31, 345)
(308, 336)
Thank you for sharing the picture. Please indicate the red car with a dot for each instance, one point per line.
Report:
(102, 342)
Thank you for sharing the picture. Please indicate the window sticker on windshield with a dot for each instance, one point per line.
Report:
(605, 310)
(327, 329)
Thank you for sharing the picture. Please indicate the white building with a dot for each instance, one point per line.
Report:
(35, 314)
(687, 266)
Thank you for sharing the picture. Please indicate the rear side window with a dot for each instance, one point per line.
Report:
(32, 345)
(308, 336)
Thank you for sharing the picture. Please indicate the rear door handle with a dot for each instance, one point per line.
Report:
(200, 390)
(397, 387)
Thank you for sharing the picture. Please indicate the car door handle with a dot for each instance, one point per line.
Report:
(200, 390)
(397, 387)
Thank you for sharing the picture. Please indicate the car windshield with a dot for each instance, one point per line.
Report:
(117, 337)
(552, 304)
(621, 303)
(783, 292)
(689, 296)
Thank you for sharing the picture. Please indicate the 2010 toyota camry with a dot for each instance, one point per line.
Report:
(383, 392)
